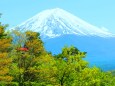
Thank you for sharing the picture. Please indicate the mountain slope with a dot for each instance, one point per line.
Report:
(100, 51)
(56, 22)
(59, 28)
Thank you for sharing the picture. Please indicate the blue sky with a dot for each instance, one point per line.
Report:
(100, 13)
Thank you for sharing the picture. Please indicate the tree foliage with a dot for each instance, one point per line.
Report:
(25, 62)
(5, 60)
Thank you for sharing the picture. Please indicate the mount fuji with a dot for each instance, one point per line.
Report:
(58, 28)
(56, 22)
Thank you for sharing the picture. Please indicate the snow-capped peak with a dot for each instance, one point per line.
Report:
(55, 22)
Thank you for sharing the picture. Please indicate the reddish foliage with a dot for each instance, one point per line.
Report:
(22, 49)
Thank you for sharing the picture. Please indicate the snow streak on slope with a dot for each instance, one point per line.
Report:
(55, 22)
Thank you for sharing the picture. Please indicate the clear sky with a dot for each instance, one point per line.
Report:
(100, 13)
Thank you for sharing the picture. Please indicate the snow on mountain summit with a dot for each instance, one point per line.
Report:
(55, 22)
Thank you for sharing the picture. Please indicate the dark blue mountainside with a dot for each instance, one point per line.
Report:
(100, 51)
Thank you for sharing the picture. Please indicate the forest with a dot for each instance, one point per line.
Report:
(25, 62)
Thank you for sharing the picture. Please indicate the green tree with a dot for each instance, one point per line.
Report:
(69, 63)
(26, 62)
(72, 70)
